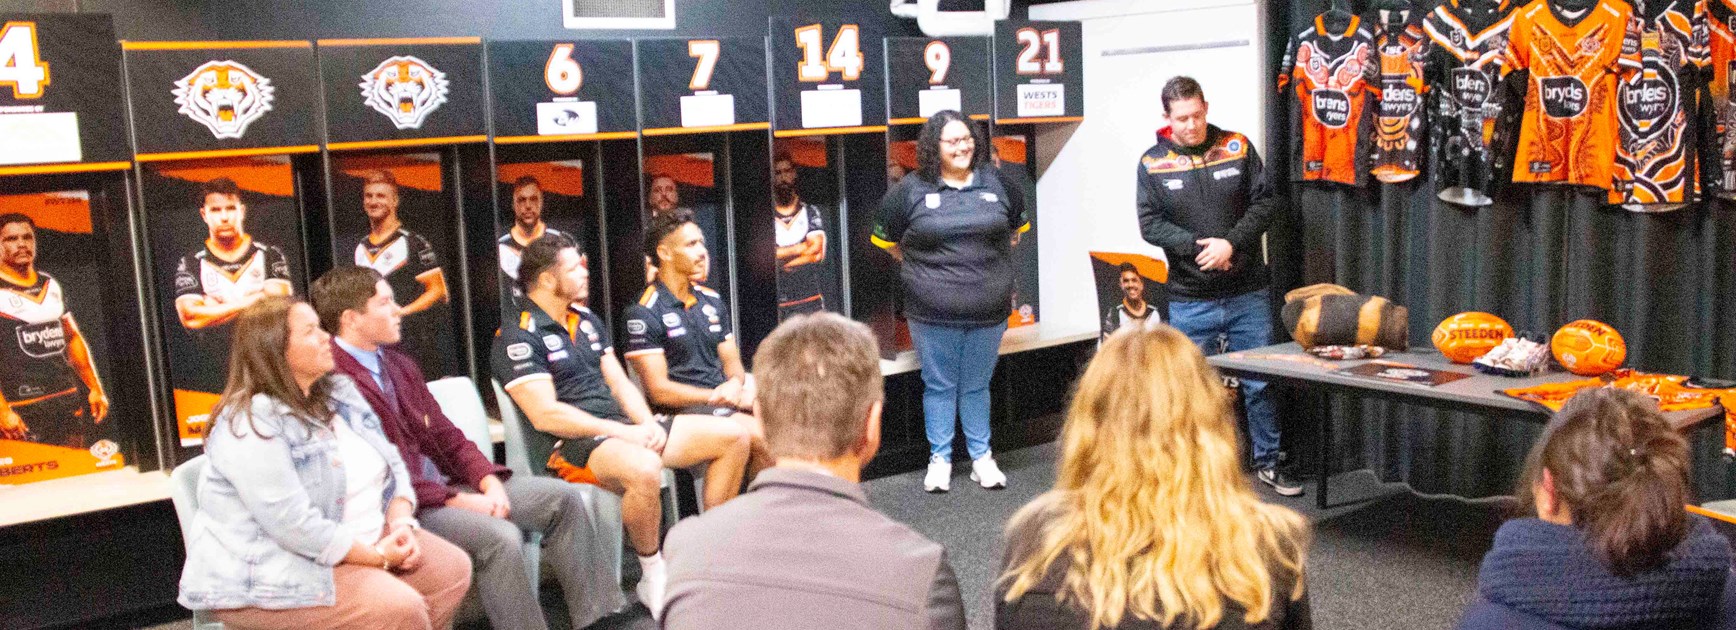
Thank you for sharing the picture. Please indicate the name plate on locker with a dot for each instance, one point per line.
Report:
(566, 118)
(707, 110)
(938, 99)
(831, 106)
(41, 138)
(1042, 100)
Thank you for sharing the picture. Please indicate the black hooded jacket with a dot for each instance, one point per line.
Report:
(1215, 190)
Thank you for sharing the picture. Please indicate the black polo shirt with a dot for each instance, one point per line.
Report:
(686, 333)
(957, 245)
(570, 353)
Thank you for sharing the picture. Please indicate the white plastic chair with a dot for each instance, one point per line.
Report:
(184, 492)
(462, 404)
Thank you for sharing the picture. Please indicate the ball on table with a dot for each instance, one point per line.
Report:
(1464, 337)
(1588, 347)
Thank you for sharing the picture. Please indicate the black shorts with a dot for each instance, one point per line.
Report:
(577, 452)
(59, 420)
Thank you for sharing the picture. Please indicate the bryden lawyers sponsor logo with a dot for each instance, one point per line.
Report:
(42, 340)
(406, 89)
(1331, 107)
(1398, 99)
(1564, 97)
(225, 96)
(1649, 98)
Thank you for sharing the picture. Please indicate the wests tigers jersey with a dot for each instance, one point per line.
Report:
(1568, 133)
(1468, 45)
(1654, 164)
(402, 259)
(205, 273)
(1328, 78)
(1399, 133)
(34, 327)
(1718, 145)
(803, 281)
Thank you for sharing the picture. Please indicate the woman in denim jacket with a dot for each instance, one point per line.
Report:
(304, 516)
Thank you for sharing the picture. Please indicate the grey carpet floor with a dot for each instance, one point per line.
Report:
(1381, 558)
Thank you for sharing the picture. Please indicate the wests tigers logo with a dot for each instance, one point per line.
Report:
(225, 96)
(405, 89)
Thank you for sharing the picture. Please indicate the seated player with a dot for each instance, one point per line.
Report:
(460, 495)
(679, 337)
(592, 425)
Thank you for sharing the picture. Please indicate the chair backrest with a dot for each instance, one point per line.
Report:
(517, 454)
(184, 492)
(462, 404)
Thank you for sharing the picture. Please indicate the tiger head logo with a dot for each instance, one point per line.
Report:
(225, 96)
(405, 89)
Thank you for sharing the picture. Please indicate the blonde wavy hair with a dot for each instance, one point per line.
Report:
(1150, 512)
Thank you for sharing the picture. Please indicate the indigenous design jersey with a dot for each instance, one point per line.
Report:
(1654, 164)
(205, 273)
(34, 328)
(1398, 140)
(804, 282)
(1673, 393)
(1718, 147)
(1568, 134)
(1328, 79)
(1468, 46)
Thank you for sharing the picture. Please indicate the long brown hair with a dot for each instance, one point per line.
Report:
(1151, 515)
(1622, 473)
(258, 364)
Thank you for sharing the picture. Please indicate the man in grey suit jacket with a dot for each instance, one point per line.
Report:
(802, 548)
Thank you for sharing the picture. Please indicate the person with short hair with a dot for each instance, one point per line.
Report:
(409, 263)
(1133, 311)
(527, 226)
(1151, 523)
(1203, 196)
(803, 548)
(802, 265)
(952, 225)
(1610, 546)
(49, 390)
(592, 425)
(461, 495)
(304, 508)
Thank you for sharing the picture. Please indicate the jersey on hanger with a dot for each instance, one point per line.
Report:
(1399, 132)
(1568, 133)
(1654, 163)
(1467, 47)
(1718, 145)
(1328, 77)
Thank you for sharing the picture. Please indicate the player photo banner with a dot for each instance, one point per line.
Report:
(926, 75)
(689, 180)
(1011, 157)
(826, 77)
(402, 92)
(1130, 290)
(701, 85)
(61, 105)
(223, 233)
(1039, 72)
(573, 90)
(223, 99)
(541, 199)
(805, 219)
(55, 376)
(394, 214)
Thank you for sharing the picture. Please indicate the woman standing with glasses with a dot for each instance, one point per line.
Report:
(952, 223)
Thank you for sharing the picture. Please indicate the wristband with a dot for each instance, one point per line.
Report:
(408, 521)
(385, 562)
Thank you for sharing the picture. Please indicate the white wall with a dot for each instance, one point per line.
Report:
(1131, 47)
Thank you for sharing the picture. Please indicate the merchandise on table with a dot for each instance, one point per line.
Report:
(1515, 357)
(1465, 336)
(1328, 314)
(1588, 347)
(1347, 353)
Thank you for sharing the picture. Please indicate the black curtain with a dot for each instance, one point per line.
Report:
(1539, 257)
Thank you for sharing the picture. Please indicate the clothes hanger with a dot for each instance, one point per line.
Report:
(1338, 16)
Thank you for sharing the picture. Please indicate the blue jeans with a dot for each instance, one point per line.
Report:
(1246, 320)
(957, 364)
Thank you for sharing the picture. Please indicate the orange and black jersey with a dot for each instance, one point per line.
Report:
(1328, 77)
(1467, 47)
(1568, 66)
(34, 331)
(1718, 140)
(403, 259)
(1655, 162)
(207, 273)
(1399, 130)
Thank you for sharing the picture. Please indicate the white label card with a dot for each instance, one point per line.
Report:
(561, 119)
(1048, 99)
(707, 110)
(41, 138)
(934, 100)
(831, 108)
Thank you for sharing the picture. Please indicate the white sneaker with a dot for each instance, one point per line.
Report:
(985, 472)
(939, 477)
(653, 584)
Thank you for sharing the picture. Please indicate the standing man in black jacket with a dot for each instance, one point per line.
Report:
(1204, 199)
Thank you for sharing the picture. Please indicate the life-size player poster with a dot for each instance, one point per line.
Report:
(1130, 290)
(392, 212)
(55, 416)
(1011, 157)
(543, 198)
(689, 180)
(805, 217)
(223, 234)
